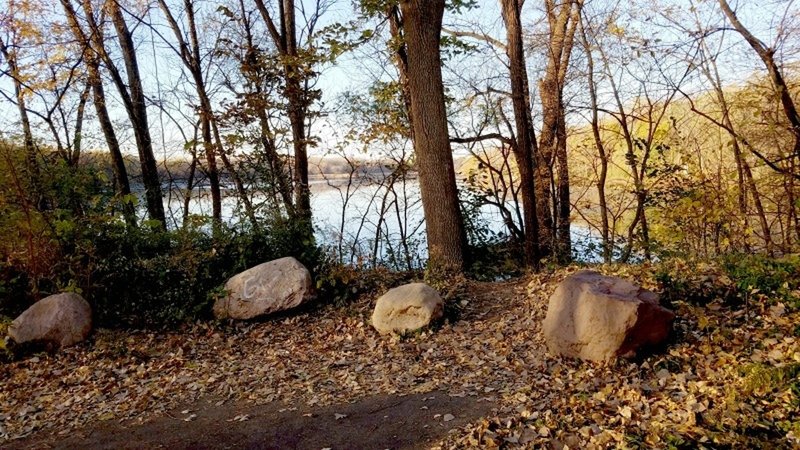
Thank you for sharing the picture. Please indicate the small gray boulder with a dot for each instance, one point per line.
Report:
(599, 318)
(407, 308)
(60, 320)
(265, 289)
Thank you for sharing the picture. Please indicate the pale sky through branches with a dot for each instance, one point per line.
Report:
(167, 83)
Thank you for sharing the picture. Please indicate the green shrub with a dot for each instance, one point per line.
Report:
(63, 231)
(773, 277)
(730, 278)
(147, 277)
(13, 284)
(341, 283)
(695, 282)
(762, 379)
(6, 351)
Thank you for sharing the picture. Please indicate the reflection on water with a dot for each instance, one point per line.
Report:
(371, 222)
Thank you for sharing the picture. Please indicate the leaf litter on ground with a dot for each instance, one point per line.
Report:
(715, 385)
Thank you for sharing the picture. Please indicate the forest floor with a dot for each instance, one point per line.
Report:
(323, 378)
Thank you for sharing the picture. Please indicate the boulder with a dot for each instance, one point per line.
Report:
(407, 308)
(599, 318)
(60, 320)
(265, 289)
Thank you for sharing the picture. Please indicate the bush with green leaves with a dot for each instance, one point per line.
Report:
(694, 281)
(340, 284)
(777, 278)
(147, 277)
(732, 278)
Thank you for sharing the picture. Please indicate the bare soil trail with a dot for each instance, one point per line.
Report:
(380, 422)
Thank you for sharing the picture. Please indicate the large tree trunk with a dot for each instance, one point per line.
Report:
(137, 111)
(563, 248)
(525, 146)
(562, 20)
(422, 25)
(121, 183)
(296, 96)
(564, 206)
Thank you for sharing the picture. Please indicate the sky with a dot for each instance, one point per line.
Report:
(354, 72)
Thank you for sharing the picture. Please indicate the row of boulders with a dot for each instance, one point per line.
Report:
(589, 316)
(285, 283)
(65, 319)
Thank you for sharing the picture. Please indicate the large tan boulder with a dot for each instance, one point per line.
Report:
(60, 320)
(598, 318)
(265, 289)
(407, 308)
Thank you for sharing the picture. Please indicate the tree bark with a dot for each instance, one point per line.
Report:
(525, 146)
(190, 56)
(767, 56)
(252, 69)
(77, 139)
(562, 19)
(137, 112)
(285, 39)
(422, 26)
(121, 183)
(19, 94)
(400, 56)
(602, 154)
(564, 204)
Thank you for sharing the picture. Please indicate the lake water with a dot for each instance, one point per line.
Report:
(371, 223)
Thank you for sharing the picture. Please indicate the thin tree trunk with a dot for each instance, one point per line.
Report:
(77, 139)
(400, 56)
(279, 175)
(190, 180)
(745, 175)
(767, 56)
(552, 142)
(285, 40)
(601, 150)
(563, 234)
(526, 140)
(237, 180)
(137, 111)
(281, 183)
(121, 182)
(19, 94)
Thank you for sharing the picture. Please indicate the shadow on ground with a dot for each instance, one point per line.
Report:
(381, 422)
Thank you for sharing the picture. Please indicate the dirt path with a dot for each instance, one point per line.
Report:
(379, 422)
(351, 387)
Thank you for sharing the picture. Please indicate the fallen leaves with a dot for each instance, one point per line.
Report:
(696, 392)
